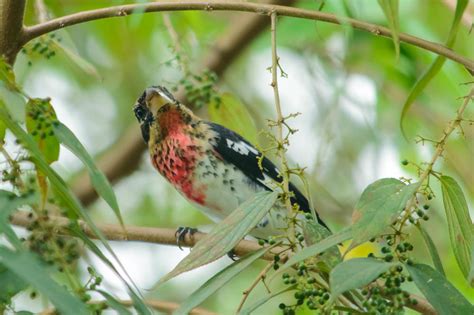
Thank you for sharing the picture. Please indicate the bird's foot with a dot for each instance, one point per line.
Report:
(232, 255)
(180, 234)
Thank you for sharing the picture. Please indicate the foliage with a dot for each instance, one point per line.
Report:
(399, 215)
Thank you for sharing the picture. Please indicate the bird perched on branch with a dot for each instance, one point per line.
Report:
(211, 166)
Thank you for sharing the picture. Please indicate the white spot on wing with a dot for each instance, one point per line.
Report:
(241, 147)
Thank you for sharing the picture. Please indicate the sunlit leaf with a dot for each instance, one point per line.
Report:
(98, 179)
(11, 284)
(380, 204)
(390, 9)
(114, 303)
(232, 113)
(432, 250)
(218, 281)
(459, 222)
(225, 235)
(314, 233)
(355, 273)
(317, 248)
(29, 268)
(251, 308)
(444, 297)
(39, 120)
(426, 78)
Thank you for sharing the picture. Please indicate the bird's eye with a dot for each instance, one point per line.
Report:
(140, 113)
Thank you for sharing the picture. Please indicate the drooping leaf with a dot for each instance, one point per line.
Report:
(9, 202)
(11, 284)
(113, 303)
(355, 273)
(444, 297)
(225, 235)
(218, 281)
(317, 248)
(250, 309)
(390, 9)
(380, 204)
(63, 192)
(98, 179)
(29, 268)
(40, 116)
(436, 66)
(232, 113)
(459, 222)
(432, 249)
(314, 233)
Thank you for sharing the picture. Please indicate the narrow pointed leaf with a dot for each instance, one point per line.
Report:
(314, 233)
(224, 236)
(98, 179)
(436, 66)
(390, 9)
(11, 285)
(218, 281)
(380, 204)
(250, 309)
(3, 129)
(317, 248)
(113, 303)
(232, 113)
(355, 273)
(459, 222)
(432, 250)
(444, 297)
(30, 269)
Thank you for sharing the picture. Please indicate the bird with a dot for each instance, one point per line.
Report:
(213, 167)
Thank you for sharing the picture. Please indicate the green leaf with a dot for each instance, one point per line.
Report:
(63, 192)
(314, 233)
(250, 309)
(436, 65)
(313, 250)
(9, 202)
(380, 204)
(459, 222)
(218, 281)
(114, 303)
(29, 268)
(3, 129)
(471, 272)
(444, 297)
(225, 235)
(98, 179)
(11, 284)
(355, 273)
(232, 113)
(39, 120)
(432, 249)
(390, 9)
(7, 76)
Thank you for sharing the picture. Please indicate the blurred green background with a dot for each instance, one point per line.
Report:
(348, 86)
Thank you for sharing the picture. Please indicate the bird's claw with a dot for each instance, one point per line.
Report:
(180, 234)
(231, 254)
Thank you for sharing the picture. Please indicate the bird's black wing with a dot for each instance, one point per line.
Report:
(234, 149)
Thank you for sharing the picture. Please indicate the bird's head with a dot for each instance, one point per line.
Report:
(158, 111)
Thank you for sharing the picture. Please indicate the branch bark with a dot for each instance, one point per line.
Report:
(262, 9)
(11, 28)
(166, 236)
(124, 157)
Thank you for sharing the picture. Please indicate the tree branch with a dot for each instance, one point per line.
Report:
(124, 157)
(266, 9)
(166, 236)
(11, 28)
(113, 232)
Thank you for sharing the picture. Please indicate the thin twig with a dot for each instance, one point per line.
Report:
(261, 276)
(281, 151)
(440, 146)
(267, 9)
